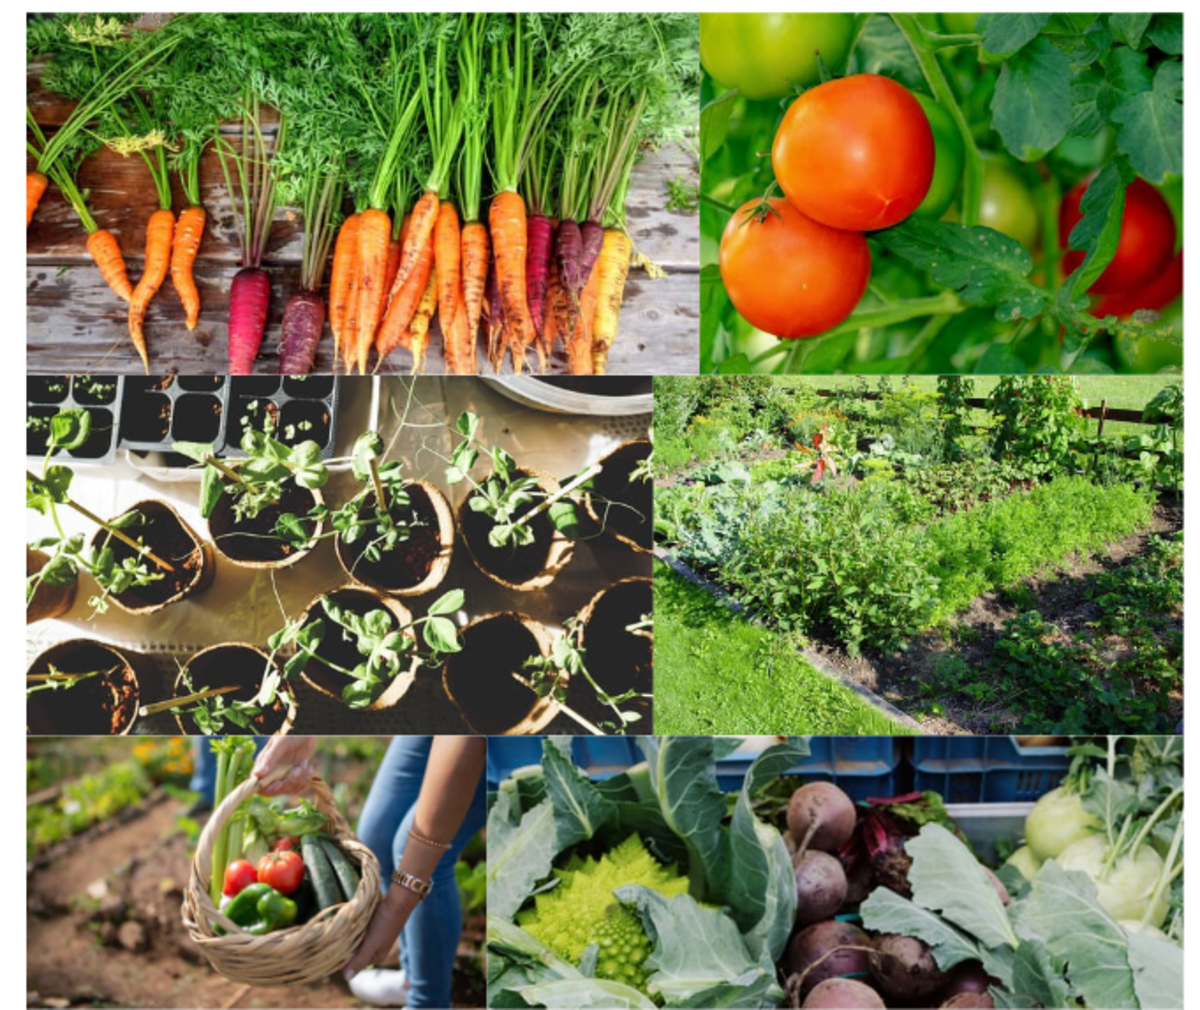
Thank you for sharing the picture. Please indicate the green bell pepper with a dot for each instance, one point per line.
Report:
(260, 909)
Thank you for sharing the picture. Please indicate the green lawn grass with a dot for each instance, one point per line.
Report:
(714, 672)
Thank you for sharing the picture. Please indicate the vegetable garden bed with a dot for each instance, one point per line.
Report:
(994, 590)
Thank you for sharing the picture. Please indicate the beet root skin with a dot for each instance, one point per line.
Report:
(843, 994)
(813, 943)
(821, 816)
(820, 887)
(903, 967)
(969, 1001)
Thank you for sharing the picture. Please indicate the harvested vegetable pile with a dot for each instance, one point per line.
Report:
(384, 135)
(652, 888)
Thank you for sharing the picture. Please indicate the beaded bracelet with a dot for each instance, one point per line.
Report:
(418, 837)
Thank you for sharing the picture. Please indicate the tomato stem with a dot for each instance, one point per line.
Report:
(723, 207)
(926, 54)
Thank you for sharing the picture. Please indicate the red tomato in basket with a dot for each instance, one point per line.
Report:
(281, 870)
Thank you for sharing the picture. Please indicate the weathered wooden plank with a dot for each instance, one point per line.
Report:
(74, 324)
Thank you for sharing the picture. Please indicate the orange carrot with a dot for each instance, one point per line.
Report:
(102, 244)
(393, 331)
(420, 233)
(159, 232)
(447, 261)
(560, 313)
(418, 331)
(476, 251)
(611, 270)
(35, 187)
(507, 219)
(393, 264)
(493, 318)
(579, 344)
(374, 233)
(341, 281)
(188, 231)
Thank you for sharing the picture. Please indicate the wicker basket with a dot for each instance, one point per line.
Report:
(295, 955)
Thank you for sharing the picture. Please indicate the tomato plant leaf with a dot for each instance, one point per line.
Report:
(1129, 27)
(1097, 233)
(714, 123)
(1151, 130)
(1027, 123)
(1009, 33)
(883, 49)
(982, 265)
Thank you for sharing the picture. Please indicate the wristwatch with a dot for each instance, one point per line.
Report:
(419, 887)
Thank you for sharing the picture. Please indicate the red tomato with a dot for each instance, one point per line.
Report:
(287, 843)
(1157, 293)
(238, 876)
(1146, 244)
(855, 153)
(281, 870)
(790, 276)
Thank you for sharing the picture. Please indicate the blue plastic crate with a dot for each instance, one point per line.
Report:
(861, 766)
(988, 769)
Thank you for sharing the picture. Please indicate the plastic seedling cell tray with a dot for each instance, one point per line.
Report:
(99, 395)
(300, 408)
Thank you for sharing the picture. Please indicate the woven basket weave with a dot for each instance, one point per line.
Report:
(295, 955)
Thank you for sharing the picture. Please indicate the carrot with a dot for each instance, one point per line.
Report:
(394, 330)
(591, 240)
(188, 231)
(462, 359)
(612, 268)
(341, 281)
(102, 244)
(579, 343)
(418, 330)
(560, 313)
(159, 231)
(568, 250)
(476, 254)
(420, 233)
(374, 233)
(493, 314)
(35, 188)
(447, 261)
(393, 264)
(303, 322)
(249, 299)
(537, 265)
(507, 218)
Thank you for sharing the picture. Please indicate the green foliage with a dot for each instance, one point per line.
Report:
(1036, 420)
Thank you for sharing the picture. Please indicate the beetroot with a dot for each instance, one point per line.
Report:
(843, 994)
(820, 886)
(823, 951)
(821, 816)
(967, 978)
(904, 968)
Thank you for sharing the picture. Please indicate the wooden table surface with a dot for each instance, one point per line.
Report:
(75, 325)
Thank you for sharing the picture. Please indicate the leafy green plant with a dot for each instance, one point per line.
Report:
(387, 647)
(1036, 419)
(510, 500)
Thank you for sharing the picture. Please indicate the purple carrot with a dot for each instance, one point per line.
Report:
(249, 298)
(539, 236)
(568, 248)
(303, 323)
(591, 239)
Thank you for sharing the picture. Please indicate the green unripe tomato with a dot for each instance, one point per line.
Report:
(959, 24)
(1145, 355)
(769, 55)
(1005, 203)
(947, 160)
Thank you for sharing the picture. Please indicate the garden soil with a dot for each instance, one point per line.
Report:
(1060, 593)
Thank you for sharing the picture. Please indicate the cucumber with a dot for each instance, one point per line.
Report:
(343, 869)
(320, 872)
(306, 901)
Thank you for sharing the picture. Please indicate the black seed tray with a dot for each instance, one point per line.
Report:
(304, 407)
(100, 395)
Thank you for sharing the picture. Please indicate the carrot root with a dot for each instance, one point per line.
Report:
(507, 219)
(35, 189)
(189, 229)
(374, 234)
(303, 323)
(612, 268)
(537, 269)
(103, 247)
(160, 230)
(249, 299)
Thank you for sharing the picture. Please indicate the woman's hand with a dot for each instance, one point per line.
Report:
(282, 753)
(390, 916)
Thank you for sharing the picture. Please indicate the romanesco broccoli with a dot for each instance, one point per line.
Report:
(581, 910)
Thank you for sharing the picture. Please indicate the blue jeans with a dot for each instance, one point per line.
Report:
(204, 768)
(429, 940)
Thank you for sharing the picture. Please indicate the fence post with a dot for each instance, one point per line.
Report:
(1103, 411)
